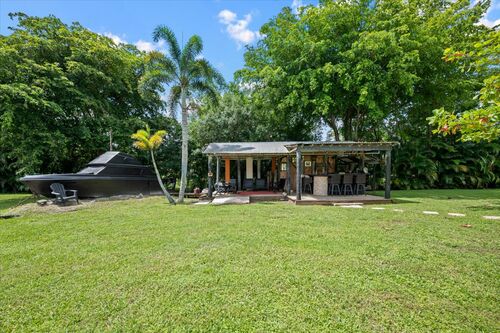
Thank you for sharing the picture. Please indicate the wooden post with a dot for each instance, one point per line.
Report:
(387, 174)
(227, 170)
(288, 175)
(210, 176)
(249, 169)
(273, 172)
(325, 165)
(238, 166)
(217, 170)
(258, 169)
(298, 174)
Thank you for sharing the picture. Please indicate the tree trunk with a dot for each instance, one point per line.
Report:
(184, 158)
(332, 122)
(165, 192)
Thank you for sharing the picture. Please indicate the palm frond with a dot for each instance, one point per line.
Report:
(203, 69)
(163, 32)
(206, 89)
(193, 48)
(173, 99)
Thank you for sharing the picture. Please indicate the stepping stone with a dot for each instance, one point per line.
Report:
(456, 214)
(429, 212)
(398, 210)
(234, 200)
(351, 206)
(492, 217)
(378, 208)
(202, 202)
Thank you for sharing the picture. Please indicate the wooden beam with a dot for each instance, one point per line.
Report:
(217, 170)
(227, 171)
(288, 175)
(209, 176)
(298, 174)
(238, 166)
(388, 174)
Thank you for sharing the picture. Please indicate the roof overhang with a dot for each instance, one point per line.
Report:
(271, 148)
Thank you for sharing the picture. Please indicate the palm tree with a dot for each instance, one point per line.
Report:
(189, 78)
(145, 141)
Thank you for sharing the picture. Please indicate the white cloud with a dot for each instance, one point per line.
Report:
(227, 16)
(238, 29)
(489, 23)
(486, 21)
(296, 4)
(144, 46)
(116, 39)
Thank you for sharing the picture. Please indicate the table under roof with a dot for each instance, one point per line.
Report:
(292, 149)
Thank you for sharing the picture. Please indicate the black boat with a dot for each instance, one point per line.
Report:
(112, 173)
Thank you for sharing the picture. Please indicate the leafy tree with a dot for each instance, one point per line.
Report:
(368, 69)
(482, 123)
(62, 90)
(144, 140)
(189, 77)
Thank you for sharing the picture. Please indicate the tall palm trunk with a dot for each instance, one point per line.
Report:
(184, 152)
(165, 192)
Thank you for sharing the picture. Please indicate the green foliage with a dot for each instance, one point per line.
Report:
(437, 163)
(189, 78)
(62, 90)
(483, 122)
(145, 140)
(367, 69)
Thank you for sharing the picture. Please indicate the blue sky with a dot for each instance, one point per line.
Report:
(225, 26)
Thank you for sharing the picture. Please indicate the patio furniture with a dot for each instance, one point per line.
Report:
(307, 184)
(260, 184)
(248, 184)
(360, 183)
(334, 183)
(61, 193)
(347, 183)
(232, 185)
(221, 187)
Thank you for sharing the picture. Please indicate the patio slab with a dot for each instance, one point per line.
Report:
(308, 199)
(231, 200)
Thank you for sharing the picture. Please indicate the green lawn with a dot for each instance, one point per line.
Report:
(142, 265)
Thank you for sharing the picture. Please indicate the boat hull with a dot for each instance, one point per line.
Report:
(92, 186)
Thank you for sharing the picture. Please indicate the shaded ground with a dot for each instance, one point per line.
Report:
(143, 265)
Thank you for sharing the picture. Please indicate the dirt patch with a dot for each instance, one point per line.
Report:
(49, 208)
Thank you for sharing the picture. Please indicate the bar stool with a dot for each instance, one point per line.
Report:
(360, 183)
(334, 184)
(347, 182)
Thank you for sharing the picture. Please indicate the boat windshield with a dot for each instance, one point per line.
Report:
(91, 170)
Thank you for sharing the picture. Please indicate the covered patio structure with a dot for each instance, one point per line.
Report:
(297, 167)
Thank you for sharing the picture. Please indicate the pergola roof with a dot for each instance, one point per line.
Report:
(287, 147)
(247, 148)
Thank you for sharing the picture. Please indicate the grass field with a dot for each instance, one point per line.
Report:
(142, 265)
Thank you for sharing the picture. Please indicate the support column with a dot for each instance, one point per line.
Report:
(273, 173)
(210, 176)
(388, 174)
(258, 169)
(217, 170)
(298, 174)
(288, 175)
(249, 171)
(238, 167)
(227, 171)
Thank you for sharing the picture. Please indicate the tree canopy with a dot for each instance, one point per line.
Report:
(364, 68)
(63, 89)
